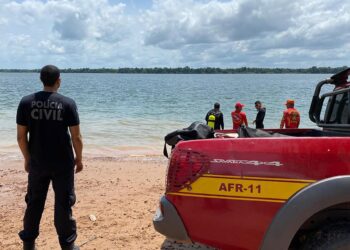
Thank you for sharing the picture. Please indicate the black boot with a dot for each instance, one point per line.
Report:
(29, 245)
(71, 247)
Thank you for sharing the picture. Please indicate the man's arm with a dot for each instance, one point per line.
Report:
(78, 146)
(245, 120)
(283, 120)
(298, 119)
(207, 117)
(222, 121)
(22, 140)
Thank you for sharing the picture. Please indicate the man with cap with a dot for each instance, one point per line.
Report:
(291, 116)
(215, 118)
(238, 117)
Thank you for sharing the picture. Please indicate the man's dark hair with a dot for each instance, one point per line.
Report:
(257, 102)
(49, 75)
(217, 105)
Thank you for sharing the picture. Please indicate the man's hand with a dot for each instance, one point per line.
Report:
(79, 166)
(78, 147)
(254, 122)
(26, 166)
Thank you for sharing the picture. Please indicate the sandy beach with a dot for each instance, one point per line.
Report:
(122, 193)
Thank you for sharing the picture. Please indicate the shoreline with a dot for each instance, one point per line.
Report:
(12, 152)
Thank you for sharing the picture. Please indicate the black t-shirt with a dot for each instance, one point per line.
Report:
(259, 121)
(48, 116)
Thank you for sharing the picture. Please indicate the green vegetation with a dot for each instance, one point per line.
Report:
(188, 70)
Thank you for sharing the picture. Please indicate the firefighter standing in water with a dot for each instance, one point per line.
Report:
(215, 118)
(238, 117)
(291, 116)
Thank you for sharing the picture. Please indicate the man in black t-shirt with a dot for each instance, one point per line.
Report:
(52, 122)
(215, 118)
(260, 116)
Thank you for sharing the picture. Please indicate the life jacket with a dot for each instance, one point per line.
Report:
(292, 118)
(211, 120)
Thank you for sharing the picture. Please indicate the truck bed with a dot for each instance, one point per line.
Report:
(305, 132)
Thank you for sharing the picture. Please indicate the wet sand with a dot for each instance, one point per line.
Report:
(122, 193)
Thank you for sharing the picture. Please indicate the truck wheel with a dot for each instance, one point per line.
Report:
(334, 236)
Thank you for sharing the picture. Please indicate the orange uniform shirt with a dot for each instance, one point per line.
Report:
(238, 118)
(291, 118)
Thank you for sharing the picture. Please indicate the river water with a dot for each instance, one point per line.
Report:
(123, 112)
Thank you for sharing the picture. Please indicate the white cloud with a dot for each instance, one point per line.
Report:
(246, 32)
(49, 47)
(3, 21)
(99, 33)
(214, 22)
(73, 27)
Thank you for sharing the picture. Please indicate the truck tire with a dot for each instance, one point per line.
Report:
(334, 236)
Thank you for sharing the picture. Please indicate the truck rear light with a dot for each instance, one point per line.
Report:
(185, 167)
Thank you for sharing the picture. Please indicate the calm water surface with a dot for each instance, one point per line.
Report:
(123, 111)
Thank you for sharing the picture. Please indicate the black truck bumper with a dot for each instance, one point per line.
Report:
(168, 222)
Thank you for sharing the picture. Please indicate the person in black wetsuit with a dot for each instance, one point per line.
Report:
(215, 118)
(52, 122)
(259, 121)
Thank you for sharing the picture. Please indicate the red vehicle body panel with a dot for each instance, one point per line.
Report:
(240, 222)
(236, 224)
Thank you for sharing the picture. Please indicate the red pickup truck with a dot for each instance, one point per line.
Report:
(286, 192)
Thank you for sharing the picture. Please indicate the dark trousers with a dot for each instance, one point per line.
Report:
(63, 186)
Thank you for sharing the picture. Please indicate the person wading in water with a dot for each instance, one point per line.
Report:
(291, 116)
(238, 117)
(260, 116)
(215, 118)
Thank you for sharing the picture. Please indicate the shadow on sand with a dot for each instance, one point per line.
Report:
(173, 245)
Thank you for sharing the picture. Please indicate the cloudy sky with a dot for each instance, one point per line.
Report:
(172, 33)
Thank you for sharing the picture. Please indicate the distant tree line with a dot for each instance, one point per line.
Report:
(188, 70)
